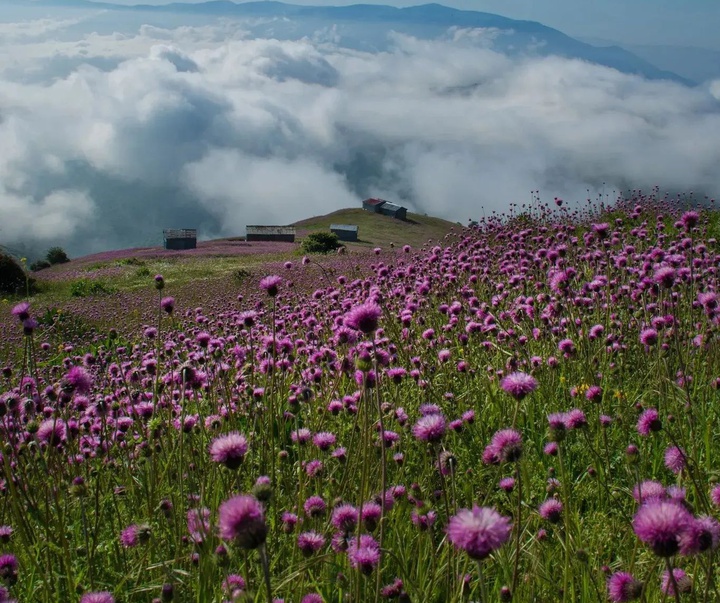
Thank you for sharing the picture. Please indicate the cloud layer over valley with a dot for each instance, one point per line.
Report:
(106, 137)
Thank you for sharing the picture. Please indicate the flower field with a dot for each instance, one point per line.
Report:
(527, 410)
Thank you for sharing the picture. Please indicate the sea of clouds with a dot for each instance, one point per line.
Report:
(108, 135)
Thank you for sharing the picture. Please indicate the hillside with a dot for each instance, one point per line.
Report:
(375, 230)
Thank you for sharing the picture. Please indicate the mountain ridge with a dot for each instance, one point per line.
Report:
(425, 20)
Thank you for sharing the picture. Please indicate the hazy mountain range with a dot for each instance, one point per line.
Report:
(366, 27)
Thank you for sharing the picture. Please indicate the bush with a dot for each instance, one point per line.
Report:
(85, 288)
(320, 242)
(13, 278)
(56, 255)
(40, 265)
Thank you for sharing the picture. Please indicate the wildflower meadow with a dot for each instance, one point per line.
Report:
(526, 410)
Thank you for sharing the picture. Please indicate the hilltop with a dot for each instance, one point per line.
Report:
(375, 230)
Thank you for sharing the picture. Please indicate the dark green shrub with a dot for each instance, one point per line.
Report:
(40, 265)
(13, 278)
(320, 242)
(56, 255)
(85, 288)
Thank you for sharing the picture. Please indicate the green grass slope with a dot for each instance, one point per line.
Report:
(376, 230)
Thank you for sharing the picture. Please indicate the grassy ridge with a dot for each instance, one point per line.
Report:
(376, 230)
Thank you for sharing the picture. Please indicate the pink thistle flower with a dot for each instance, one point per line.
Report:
(363, 318)
(649, 490)
(344, 518)
(314, 506)
(270, 284)
(575, 419)
(364, 553)
(519, 385)
(77, 379)
(507, 445)
(241, 519)
(229, 450)
(702, 536)
(551, 510)
(430, 428)
(168, 304)
(648, 422)
(623, 587)
(22, 311)
(682, 580)
(674, 459)
(662, 525)
(478, 531)
(310, 542)
(715, 496)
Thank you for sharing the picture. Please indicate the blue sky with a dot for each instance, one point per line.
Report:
(674, 22)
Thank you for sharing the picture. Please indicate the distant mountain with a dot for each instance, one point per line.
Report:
(366, 27)
(696, 64)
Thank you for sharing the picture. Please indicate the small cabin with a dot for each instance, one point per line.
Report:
(256, 232)
(380, 206)
(345, 232)
(373, 205)
(180, 238)
(394, 211)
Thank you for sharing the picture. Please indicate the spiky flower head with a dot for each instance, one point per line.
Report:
(478, 531)
(241, 520)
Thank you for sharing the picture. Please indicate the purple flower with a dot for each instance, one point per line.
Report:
(363, 318)
(270, 285)
(429, 428)
(168, 304)
(648, 336)
(234, 585)
(52, 431)
(674, 459)
(370, 514)
(22, 311)
(102, 596)
(310, 542)
(229, 450)
(507, 484)
(77, 379)
(8, 568)
(134, 534)
(519, 385)
(575, 419)
(241, 520)
(198, 524)
(314, 506)
(623, 587)
(682, 580)
(661, 525)
(715, 496)
(702, 536)
(551, 510)
(648, 422)
(364, 553)
(344, 518)
(665, 276)
(324, 440)
(566, 346)
(312, 598)
(506, 445)
(649, 490)
(478, 531)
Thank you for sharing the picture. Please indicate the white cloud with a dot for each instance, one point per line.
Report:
(123, 134)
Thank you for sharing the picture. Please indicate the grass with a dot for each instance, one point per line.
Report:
(376, 230)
